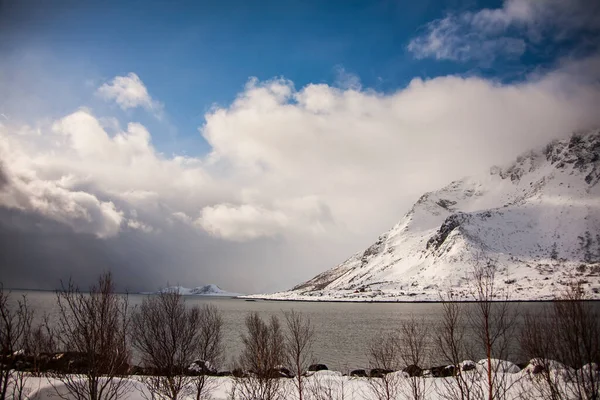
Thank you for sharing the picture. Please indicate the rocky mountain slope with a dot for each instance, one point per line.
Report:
(537, 221)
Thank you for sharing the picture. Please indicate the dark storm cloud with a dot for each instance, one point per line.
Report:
(37, 253)
(3, 177)
(296, 180)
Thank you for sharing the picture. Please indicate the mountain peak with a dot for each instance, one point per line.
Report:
(537, 220)
(206, 290)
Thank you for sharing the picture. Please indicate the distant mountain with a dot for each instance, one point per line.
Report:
(207, 290)
(538, 220)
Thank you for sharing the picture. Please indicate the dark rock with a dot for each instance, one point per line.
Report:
(450, 370)
(359, 372)
(375, 249)
(379, 372)
(238, 373)
(413, 370)
(443, 371)
(68, 362)
(451, 223)
(137, 370)
(446, 204)
(224, 373)
(522, 365)
(202, 367)
(280, 372)
(468, 367)
(318, 367)
(538, 369)
(286, 373)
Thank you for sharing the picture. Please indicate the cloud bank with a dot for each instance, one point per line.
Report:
(296, 179)
(508, 31)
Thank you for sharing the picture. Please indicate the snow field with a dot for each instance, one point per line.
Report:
(334, 385)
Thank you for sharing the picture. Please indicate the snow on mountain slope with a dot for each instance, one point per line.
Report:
(206, 290)
(538, 220)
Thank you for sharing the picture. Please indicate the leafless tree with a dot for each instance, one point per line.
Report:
(210, 351)
(299, 338)
(565, 344)
(261, 358)
(538, 343)
(415, 343)
(385, 361)
(493, 320)
(408, 348)
(42, 344)
(15, 328)
(579, 338)
(319, 387)
(452, 346)
(38, 344)
(166, 335)
(92, 328)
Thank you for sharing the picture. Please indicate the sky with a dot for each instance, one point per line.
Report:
(255, 144)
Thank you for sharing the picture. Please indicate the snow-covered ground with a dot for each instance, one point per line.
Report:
(332, 385)
(537, 220)
(206, 290)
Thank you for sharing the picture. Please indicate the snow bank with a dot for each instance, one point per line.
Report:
(498, 365)
(519, 383)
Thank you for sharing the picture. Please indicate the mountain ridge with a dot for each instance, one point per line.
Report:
(205, 290)
(537, 220)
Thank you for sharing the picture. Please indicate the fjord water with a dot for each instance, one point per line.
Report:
(344, 331)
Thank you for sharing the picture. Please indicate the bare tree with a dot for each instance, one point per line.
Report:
(92, 329)
(385, 360)
(538, 343)
(261, 358)
(42, 344)
(320, 387)
(578, 333)
(166, 335)
(210, 351)
(493, 321)
(565, 346)
(15, 328)
(408, 349)
(38, 344)
(414, 342)
(451, 345)
(299, 339)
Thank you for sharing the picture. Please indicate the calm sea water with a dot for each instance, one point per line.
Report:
(344, 331)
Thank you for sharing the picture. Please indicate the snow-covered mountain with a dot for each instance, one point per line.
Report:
(206, 290)
(538, 220)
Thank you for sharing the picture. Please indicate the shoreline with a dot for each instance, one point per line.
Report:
(326, 300)
(405, 301)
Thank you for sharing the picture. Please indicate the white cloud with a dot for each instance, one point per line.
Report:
(318, 167)
(506, 31)
(358, 152)
(241, 222)
(138, 225)
(453, 38)
(129, 92)
(346, 80)
(313, 161)
(307, 215)
(28, 191)
(77, 174)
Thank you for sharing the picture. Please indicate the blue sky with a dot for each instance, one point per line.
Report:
(192, 54)
(133, 134)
